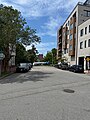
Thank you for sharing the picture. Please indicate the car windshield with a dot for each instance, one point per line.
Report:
(64, 63)
(22, 64)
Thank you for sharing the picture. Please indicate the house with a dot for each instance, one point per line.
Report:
(40, 57)
(11, 63)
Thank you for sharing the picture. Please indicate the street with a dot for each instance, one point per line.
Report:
(45, 93)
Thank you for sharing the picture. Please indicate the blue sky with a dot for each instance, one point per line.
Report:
(46, 16)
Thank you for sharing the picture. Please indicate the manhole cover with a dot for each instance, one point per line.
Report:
(68, 90)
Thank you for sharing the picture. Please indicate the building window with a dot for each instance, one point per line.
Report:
(87, 13)
(89, 28)
(72, 58)
(85, 30)
(71, 26)
(81, 32)
(64, 51)
(71, 36)
(81, 45)
(68, 23)
(89, 43)
(85, 45)
(70, 48)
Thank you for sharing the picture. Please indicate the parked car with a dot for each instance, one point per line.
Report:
(63, 66)
(22, 67)
(30, 66)
(56, 65)
(76, 68)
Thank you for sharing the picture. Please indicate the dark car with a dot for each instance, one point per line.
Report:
(30, 65)
(63, 66)
(22, 67)
(76, 68)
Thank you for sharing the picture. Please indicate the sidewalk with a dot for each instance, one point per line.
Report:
(5, 75)
(87, 72)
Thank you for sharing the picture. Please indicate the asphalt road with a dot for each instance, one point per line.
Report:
(45, 93)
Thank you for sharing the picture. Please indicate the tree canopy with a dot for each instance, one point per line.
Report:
(28, 36)
(20, 53)
(51, 56)
(11, 23)
(25, 56)
(14, 30)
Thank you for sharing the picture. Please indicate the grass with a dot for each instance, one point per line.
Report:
(4, 74)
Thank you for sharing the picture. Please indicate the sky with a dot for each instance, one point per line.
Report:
(46, 16)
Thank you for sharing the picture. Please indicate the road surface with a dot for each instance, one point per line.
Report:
(45, 93)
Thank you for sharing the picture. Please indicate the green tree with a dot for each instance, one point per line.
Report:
(54, 55)
(28, 36)
(13, 31)
(32, 54)
(51, 56)
(20, 53)
(48, 57)
(25, 56)
(11, 23)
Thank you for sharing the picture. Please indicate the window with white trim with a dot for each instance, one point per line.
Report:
(71, 37)
(85, 44)
(89, 43)
(81, 45)
(85, 30)
(81, 32)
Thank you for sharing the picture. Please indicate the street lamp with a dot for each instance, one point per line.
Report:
(2, 56)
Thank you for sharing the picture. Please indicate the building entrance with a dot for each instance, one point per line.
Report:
(88, 63)
(81, 61)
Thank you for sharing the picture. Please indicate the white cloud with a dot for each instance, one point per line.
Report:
(54, 10)
(43, 47)
(40, 7)
(21, 2)
(50, 28)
